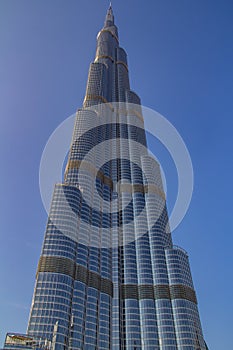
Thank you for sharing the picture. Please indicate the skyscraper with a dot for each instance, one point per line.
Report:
(109, 276)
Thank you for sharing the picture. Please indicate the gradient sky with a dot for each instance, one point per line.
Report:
(180, 57)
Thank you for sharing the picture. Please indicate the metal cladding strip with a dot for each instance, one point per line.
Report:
(111, 58)
(103, 56)
(95, 97)
(57, 265)
(76, 164)
(151, 188)
(179, 291)
(123, 64)
(129, 291)
(133, 291)
(131, 112)
(66, 266)
(108, 31)
(130, 188)
(145, 292)
(162, 291)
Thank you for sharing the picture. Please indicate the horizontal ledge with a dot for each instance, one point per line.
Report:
(107, 31)
(65, 266)
(160, 291)
(121, 188)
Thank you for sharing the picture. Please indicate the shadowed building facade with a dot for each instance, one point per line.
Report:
(109, 276)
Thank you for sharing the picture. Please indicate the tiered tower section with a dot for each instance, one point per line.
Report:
(109, 276)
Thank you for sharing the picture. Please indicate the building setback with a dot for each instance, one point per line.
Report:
(109, 276)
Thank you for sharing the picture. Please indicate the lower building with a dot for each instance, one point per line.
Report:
(16, 341)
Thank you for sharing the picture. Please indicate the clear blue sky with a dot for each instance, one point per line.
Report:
(181, 64)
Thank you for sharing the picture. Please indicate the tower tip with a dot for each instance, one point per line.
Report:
(109, 16)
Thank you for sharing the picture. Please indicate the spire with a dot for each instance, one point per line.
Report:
(109, 20)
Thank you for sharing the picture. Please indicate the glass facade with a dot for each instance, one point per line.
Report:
(109, 276)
